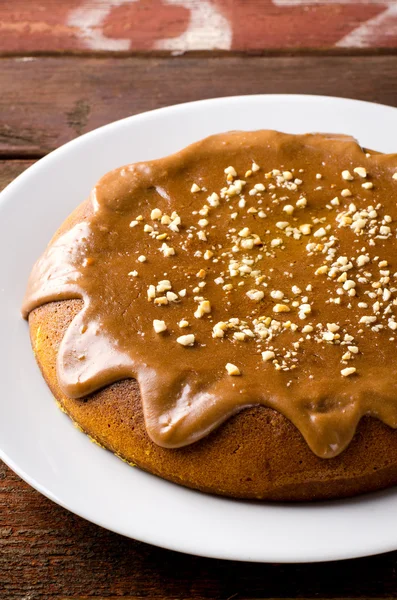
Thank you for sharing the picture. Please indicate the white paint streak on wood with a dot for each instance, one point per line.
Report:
(88, 19)
(208, 29)
(369, 33)
(372, 31)
(384, 3)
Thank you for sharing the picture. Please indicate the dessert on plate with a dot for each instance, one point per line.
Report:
(226, 317)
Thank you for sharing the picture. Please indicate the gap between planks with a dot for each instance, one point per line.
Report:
(268, 52)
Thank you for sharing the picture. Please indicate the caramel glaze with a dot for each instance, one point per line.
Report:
(330, 367)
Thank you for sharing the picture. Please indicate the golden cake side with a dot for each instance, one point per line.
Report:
(257, 454)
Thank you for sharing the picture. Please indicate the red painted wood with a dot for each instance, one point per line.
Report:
(141, 25)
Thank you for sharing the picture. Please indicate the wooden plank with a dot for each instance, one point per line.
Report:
(47, 101)
(136, 25)
(9, 169)
(48, 553)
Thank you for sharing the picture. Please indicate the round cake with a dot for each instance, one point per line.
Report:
(224, 317)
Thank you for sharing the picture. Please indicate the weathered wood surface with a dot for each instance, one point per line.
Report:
(47, 101)
(180, 25)
(48, 553)
(9, 169)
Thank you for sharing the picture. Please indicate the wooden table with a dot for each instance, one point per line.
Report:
(65, 70)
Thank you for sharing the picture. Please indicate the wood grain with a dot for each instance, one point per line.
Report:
(125, 25)
(47, 101)
(9, 169)
(48, 553)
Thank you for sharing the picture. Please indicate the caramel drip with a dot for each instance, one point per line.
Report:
(278, 251)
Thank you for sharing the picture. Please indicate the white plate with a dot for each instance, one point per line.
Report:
(40, 443)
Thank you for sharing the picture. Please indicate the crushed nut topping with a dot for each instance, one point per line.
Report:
(243, 268)
(232, 369)
(348, 371)
(156, 214)
(361, 171)
(347, 176)
(186, 340)
(159, 326)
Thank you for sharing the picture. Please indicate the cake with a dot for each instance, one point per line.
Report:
(225, 317)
